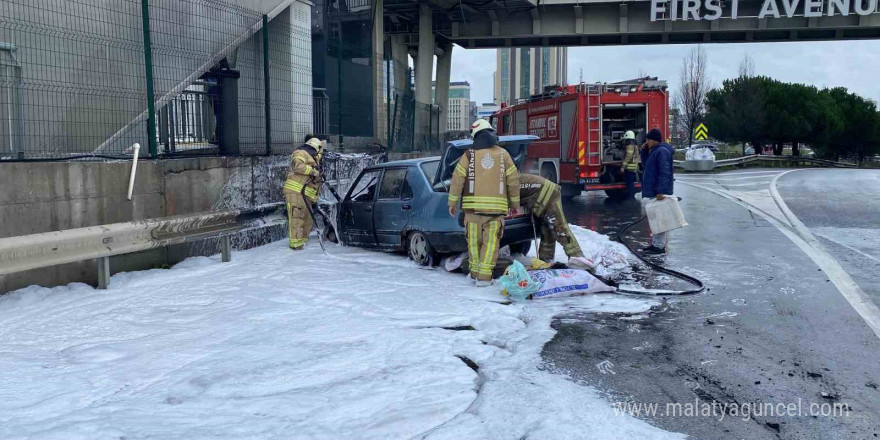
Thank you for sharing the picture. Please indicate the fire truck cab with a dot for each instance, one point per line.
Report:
(581, 129)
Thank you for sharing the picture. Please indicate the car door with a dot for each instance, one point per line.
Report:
(393, 207)
(356, 215)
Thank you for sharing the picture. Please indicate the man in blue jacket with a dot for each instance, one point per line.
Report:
(657, 180)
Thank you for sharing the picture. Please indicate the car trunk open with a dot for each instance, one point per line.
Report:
(516, 145)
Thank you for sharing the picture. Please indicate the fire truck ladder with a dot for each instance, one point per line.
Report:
(594, 125)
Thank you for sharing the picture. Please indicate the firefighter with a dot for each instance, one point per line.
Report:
(630, 165)
(486, 182)
(301, 190)
(544, 199)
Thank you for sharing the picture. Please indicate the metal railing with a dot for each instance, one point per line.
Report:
(777, 160)
(46, 249)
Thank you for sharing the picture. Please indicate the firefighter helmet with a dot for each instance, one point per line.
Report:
(629, 135)
(316, 144)
(479, 125)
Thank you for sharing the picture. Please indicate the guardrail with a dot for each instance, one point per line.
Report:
(102, 242)
(786, 160)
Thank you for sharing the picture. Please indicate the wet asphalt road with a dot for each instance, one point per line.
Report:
(770, 329)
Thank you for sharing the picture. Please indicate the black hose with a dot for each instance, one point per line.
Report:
(658, 268)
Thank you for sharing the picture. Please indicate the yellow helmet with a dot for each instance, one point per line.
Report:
(479, 125)
(316, 144)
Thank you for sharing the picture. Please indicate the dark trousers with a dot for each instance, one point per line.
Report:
(630, 178)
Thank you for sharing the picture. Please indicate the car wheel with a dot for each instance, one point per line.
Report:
(522, 247)
(420, 250)
(329, 234)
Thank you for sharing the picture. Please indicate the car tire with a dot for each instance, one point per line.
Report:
(522, 247)
(329, 234)
(420, 250)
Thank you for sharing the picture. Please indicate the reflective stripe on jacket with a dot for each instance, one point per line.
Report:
(536, 192)
(486, 181)
(631, 160)
(303, 174)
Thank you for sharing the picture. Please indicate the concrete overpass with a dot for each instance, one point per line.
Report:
(423, 29)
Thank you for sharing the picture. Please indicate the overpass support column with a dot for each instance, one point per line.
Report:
(444, 71)
(424, 72)
(400, 64)
(380, 126)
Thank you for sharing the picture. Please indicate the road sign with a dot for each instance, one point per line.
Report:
(701, 133)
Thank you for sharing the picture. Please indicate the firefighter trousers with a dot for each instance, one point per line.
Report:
(554, 228)
(299, 219)
(484, 239)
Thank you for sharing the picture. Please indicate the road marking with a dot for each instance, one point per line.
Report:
(732, 173)
(847, 246)
(744, 184)
(851, 291)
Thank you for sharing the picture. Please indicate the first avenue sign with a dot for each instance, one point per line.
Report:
(709, 10)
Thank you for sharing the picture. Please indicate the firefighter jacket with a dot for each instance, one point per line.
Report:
(631, 160)
(486, 180)
(303, 176)
(536, 193)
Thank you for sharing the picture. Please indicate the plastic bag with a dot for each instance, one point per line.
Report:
(699, 154)
(558, 283)
(664, 215)
(517, 282)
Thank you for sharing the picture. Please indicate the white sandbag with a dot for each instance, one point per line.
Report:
(664, 215)
(558, 283)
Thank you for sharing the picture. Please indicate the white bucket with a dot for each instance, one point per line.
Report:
(664, 215)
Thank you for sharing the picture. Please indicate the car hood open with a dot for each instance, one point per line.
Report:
(516, 145)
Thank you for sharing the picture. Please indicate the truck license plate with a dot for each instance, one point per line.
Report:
(592, 180)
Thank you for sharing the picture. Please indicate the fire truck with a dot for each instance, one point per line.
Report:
(581, 129)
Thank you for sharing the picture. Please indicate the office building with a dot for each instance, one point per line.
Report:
(522, 72)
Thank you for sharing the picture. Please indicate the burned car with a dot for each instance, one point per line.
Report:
(402, 206)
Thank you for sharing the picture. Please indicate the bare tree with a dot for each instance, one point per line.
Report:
(747, 67)
(693, 86)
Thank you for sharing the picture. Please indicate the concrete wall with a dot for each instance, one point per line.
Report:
(43, 197)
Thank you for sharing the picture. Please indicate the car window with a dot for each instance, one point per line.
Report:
(365, 188)
(393, 184)
(430, 169)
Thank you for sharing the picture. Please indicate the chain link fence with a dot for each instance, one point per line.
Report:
(77, 78)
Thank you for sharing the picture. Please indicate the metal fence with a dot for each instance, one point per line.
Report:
(89, 79)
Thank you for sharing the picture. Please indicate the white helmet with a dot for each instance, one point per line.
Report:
(478, 126)
(629, 135)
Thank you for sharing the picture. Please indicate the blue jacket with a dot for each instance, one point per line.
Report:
(658, 171)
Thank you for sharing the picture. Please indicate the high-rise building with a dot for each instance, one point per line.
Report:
(522, 72)
(459, 115)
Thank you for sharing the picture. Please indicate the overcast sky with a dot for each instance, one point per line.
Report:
(851, 64)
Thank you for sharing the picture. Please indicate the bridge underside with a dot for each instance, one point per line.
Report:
(520, 23)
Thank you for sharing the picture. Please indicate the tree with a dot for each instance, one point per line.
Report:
(693, 86)
(737, 111)
(747, 67)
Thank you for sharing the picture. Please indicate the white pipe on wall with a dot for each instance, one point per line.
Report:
(134, 164)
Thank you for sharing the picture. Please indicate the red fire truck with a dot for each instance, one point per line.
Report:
(581, 129)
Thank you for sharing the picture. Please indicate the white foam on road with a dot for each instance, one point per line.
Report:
(295, 345)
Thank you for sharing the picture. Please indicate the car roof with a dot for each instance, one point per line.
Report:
(403, 163)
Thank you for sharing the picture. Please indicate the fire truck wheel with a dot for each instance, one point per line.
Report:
(548, 171)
